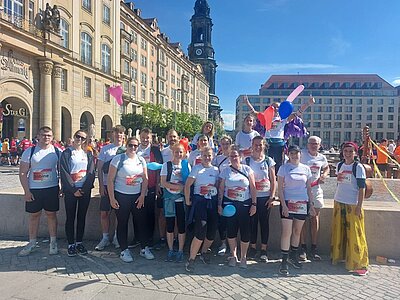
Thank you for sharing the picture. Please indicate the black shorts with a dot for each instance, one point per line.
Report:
(46, 199)
(5, 155)
(382, 167)
(105, 202)
(295, 216)
(13, 154)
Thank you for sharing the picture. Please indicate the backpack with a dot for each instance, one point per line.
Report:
(368, 184)
(106, 165)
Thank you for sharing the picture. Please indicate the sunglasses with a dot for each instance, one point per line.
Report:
(133, 145)
(80, 137)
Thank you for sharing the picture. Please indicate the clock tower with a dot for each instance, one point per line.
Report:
(202, 52)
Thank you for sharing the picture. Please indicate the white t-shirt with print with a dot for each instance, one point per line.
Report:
(43, 171)
(129, 177)
(295, 181)
(144, 152)
(277, 130)
(261, 175)
(107, 153)
(237, 186)
(243, 141)
(194, 158)
(221, 162)
(205, 180)
(176, 175)
(166, 154)
(347, 189)
(316, 164)
(78, 166)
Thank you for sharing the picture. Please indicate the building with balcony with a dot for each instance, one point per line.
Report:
(57, 72)
(345, 103)
(156, 70)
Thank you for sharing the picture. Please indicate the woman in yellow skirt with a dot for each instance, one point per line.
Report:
(349, 242)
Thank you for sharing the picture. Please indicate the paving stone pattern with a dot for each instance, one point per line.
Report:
(317, 280)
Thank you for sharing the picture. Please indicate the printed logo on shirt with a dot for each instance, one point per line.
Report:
(134, 180)
(237, 193)
(344, 177)
(246, 152)
(263, 185)
(209, 190)
(43, 175)
(314, 169)
(197, 161)
(78, 175)
(298, 207)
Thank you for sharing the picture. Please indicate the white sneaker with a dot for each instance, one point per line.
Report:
(126, 256)
(53, 248)
(28, 249)
(222, 250)
(115, 242)
(146, 253)
(103, 243)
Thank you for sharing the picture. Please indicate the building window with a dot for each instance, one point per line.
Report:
(369, 101)
(380, 101)
(126, 67)
(337, 125)
(338, 109)
(106, 14)
(106, 93)
(327, 117)
(106, 59)
(14, 8)
(143, 61)
(143, 44)
(327, 125)
(143, 78)
(358, 109)
(143, 96)
(64, 31)
(87, 88)
(317, 124)
(134, 74)
(358, 117)
(64, 80)
(379, 125)
(348, 101)
(152, 51)
(369, 109)
(133, 54)
(348, 117)
(133, 91)
(369, 118)
(86, 48)
(358, 125)
(390, 125)
(379, 117)
(87, 4)
(133, 37)
(390, 117)
(126, 87)
(391, 109)
(317, 117)
(348, 109)
(380, 110)
(347, 136)
(328, 101)
(338, 101)
(338, 117)
(31, 12)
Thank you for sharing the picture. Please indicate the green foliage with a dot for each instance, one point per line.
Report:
(160, 120)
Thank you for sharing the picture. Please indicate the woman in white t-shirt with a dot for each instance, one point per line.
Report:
(77, 176)
(208, 130)
(127, 186)
(294, 190)
(237, 188)
(172, 180)
(349, 241)
(246, 135)
(195, 156)
(203, 202)
(264, 174)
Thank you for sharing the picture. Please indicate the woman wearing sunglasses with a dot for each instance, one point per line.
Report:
(127, 186)
(77, 177)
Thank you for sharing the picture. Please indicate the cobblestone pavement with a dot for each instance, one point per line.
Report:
(317, 280)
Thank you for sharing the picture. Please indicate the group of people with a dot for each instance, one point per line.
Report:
(190, 193)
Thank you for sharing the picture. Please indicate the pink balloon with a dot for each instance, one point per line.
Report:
(268, 116)
(116, 92)
(297, 91)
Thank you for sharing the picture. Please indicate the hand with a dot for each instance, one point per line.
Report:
(28, 197)
(78, 193)
(358, 211)
(140, 202)
(188, 202)
(177, 187)
(114, 203)
(253, 210)
(220, 210)
(270, 203)
(158, 191)
(285, 211)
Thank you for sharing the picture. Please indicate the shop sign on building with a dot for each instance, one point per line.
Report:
(12, 64)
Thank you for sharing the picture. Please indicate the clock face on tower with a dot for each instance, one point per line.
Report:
(199, 51)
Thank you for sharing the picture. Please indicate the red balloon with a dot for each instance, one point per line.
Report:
(185, 143)
(261, 118)
(268, 116)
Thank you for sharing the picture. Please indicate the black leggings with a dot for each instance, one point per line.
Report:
(180, 219)
(261, 215)
(205, 228)
(127, 206)
(276, 152)
(240, 221)
(71, 202)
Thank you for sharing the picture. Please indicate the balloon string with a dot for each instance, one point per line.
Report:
(384, 181)
(384, 153)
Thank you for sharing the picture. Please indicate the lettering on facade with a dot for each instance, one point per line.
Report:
(14, 65)
(8, 111)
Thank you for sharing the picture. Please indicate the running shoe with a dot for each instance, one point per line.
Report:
(126, 256)
(232, 261)
(303, 254)
(115, 242)
(252, 253)
(179, 257)
(315, 256)
(146, 253)
(264, 256)
(53, 250)
(360, 272)
(205, 258)
(103, 243)
(222, 250)
(284, 268)
(243, 263)
(28, 249)
(293, 260)
(189, 265)
(81, 249)
(71, 250)
(170, 256)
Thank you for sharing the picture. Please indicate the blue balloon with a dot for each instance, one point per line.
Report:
(185, 170)
(229, 210)
(285, 109)
(154, 166)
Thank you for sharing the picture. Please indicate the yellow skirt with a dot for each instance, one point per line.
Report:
(348, 237)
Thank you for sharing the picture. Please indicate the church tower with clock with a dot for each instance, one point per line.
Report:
(202, 52)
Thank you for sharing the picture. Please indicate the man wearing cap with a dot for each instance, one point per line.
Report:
(348, 232)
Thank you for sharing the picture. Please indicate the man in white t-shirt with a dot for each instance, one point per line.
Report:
(107, 153)
(320, 171)
(38, 174)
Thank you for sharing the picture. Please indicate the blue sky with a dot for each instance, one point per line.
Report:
(254, 39)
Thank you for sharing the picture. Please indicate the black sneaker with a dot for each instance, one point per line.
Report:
(295, 262)
(315, 256)
(81, 249)
(205, 258)
(72, 251)
(251, 254)
(284, 268)
(303, 254)
(264, 256)
(161, 244)
(189, 265)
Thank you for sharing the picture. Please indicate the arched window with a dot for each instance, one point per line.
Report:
(105, 58)
(64, 31)
(86, 48)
